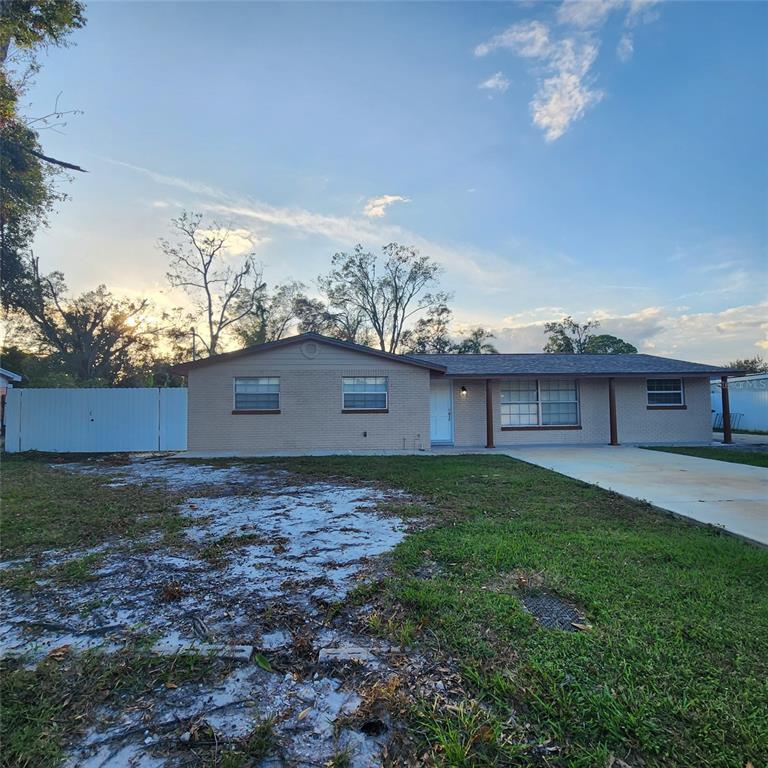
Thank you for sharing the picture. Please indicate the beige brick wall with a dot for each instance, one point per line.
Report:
(310, 403)
(636, 424)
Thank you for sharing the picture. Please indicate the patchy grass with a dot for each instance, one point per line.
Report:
(42, 709)
(77, 570)
(226, 546)
(674, 670)
(46, 508)
(733, 455)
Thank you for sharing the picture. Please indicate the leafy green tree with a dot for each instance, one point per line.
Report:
(94, 338)
(568, 336)
(477, 342)
(756, 364)
(605, 344)
(27, 175)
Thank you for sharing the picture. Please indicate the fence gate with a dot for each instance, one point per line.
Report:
(96, 420)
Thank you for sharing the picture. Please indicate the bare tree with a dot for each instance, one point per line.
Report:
(386, 292)
(274, 317)
(223, 294)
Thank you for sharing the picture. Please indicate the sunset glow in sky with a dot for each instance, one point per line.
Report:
(605, 159)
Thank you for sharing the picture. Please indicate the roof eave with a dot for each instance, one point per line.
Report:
(183, 369)
(591, 374)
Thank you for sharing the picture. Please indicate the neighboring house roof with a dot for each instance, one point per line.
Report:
(406, 359)
(545, 364)
(10, 375)
(751, 377)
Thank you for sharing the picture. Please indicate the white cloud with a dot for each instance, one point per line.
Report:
(480, 268)
(376, 207)
(564, 92)
(496, 82)
(530, 39)
(586, 14)
(710, 337)
(626, 47)
(565, 82)
(239, 241)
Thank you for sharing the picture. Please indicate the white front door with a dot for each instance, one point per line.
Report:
(441, 412)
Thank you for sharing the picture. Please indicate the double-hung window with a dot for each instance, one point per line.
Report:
(364, 393)
(665, 392)
(257, 393)
(539, 403)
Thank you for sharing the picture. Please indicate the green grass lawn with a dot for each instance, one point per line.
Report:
(733, 455)
(47, 508)
(673, 672)
(675, 668)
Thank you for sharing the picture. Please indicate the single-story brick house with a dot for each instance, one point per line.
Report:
(312, 392)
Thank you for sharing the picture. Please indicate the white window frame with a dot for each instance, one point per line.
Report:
(344, 407)
(538, 403)
(666, 392)
(235, 379)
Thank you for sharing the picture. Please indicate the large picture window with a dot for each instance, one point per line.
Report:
(257, 393)
(539, 403)
(364, 393)
(665, 392)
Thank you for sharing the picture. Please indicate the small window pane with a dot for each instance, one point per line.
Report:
(257, 394)
(368, 392)
(558, 390)
(665, 398)
(519, 415)
(519, 391)
(665, 391)
(559, 413)
(664, 385)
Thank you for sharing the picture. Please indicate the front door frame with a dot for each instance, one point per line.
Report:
(451, 413)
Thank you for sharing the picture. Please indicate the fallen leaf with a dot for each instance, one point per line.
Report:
(171, 685)
(304, 713)
(581, 627)
(263, 662)
(59, 653)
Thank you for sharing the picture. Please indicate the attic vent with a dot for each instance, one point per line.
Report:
(310, 349)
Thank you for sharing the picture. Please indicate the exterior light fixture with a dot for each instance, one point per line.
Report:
(463, 391)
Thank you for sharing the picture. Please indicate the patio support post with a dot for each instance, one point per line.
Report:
(727, 437)
(612, 411)
(488, 415)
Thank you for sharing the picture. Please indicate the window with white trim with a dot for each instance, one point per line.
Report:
(364, 393)
(257, 393)
(539, 403)
(665, 392)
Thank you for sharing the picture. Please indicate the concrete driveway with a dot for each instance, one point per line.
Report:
(734, 496)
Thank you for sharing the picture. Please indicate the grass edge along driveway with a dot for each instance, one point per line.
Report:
(715, 453)
(672, 672)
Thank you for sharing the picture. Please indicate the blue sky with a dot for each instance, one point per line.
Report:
(604, 159)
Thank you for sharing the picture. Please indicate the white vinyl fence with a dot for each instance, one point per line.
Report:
(96, 420)
(748, 397)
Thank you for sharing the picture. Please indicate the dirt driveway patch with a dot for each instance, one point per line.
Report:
(257, 577)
